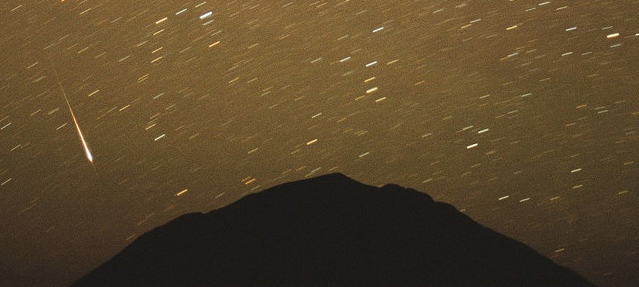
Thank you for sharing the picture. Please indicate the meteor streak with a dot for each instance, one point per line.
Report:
(87, 151)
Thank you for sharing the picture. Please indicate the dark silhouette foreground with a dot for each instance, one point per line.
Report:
(328, 230)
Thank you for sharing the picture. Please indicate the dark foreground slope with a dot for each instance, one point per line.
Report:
(326, 230)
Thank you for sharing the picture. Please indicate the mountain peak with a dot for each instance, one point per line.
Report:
(327, 230)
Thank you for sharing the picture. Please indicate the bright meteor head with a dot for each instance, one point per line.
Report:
(89, 155)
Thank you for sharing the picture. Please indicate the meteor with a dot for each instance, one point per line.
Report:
(87, 151)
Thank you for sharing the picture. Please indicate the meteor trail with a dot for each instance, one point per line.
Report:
(87, 151)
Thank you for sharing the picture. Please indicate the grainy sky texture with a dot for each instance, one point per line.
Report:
(522, 114)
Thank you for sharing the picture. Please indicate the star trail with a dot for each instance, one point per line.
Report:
(522, 114)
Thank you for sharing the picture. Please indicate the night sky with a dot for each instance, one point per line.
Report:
(522, 114)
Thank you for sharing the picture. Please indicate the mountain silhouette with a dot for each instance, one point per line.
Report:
(324, 231)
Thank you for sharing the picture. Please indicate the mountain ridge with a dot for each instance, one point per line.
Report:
(326, 230)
